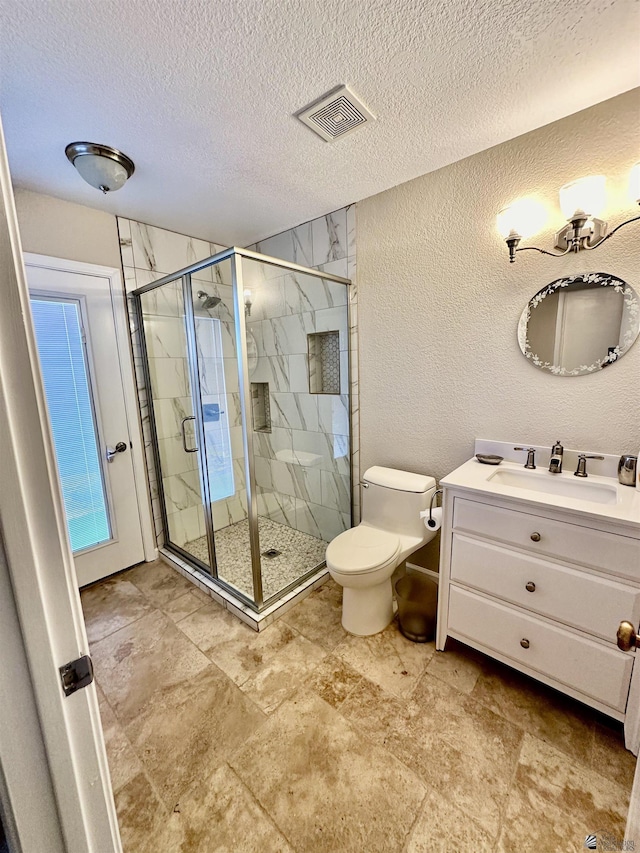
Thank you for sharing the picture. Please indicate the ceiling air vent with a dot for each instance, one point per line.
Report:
(336, 114)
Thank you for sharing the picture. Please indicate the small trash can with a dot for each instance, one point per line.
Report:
(417, 597)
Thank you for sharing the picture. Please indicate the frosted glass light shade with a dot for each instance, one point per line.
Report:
(100, 172)
(101, 166)
(524, 218)
(634, 184)
(586, 195)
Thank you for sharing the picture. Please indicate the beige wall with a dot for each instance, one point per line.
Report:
(439, 303)
(50, 226)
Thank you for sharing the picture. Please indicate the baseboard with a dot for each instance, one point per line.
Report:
(433, 575)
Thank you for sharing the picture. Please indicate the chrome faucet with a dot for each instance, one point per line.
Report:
(581, 470)
(555, 465)
(531, 456)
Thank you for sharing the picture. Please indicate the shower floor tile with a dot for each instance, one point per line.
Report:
(299, 553)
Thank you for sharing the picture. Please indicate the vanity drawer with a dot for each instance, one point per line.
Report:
(587, 602)
(599, 671)
(606, 551)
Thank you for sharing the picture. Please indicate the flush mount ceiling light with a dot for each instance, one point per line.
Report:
(103, 167)
(581, 202)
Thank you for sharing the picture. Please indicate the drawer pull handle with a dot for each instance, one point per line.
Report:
(530, 587)
(524, 643)
(535, 537)
(627, 637)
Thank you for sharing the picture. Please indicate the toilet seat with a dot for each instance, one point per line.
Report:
(362, 549)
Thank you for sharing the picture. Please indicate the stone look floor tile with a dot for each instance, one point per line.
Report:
(283, 674)
(140, 816)
(190, 728)
(319, 616)
(537, 709)
(443, 828)
(555, 803)
(111, 605)
(388, 659)
(124, 764)
(233, 646)
(344, 763)
(159, 582)
(186, 604)
(452, 744)
(460, 666)
(333, 680)
(325, 786)
(609, 757)
(218, 814)
(143, 659)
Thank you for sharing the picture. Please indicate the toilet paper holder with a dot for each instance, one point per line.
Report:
(430, 520)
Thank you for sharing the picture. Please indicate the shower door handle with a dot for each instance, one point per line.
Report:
(184, 437)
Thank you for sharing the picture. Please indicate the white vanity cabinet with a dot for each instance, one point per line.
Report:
(543, 589)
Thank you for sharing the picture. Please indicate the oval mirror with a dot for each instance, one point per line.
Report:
(579, 324)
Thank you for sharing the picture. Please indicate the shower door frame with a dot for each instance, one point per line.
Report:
(235, 255)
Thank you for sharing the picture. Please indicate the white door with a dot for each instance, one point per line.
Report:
(75, 328)
(55, 791)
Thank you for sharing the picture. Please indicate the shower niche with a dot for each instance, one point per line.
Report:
(250, 419)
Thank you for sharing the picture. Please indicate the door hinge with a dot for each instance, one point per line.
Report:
(76, 674)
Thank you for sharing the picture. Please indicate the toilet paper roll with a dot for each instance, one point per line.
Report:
(435, 522)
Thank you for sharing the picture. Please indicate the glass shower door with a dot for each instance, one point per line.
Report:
(173, 411)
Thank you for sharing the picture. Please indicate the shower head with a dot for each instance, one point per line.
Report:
(209, 301)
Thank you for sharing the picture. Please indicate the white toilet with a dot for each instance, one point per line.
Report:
(363, 559)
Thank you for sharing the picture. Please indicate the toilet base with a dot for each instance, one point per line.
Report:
(368, 610)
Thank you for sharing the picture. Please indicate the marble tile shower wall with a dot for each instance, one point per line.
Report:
(149, 253)
(328, 243)
(285, 308)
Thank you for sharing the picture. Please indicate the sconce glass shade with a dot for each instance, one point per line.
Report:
(101, 166)
(634, 184)
(584, 196)
(524, 217)
(247, 294)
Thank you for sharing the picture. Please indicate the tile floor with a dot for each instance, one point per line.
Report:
(299, 554)
(303, 738)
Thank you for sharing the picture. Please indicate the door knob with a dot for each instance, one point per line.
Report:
(112, 451)
(627, 637)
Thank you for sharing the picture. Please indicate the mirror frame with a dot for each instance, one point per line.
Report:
(631, 304)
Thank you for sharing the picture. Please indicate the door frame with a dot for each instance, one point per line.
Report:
(45, 603)
(132, 410)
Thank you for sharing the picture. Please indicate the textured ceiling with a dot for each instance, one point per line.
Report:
(201, 95)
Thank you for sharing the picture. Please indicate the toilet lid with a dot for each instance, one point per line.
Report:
(361, 549)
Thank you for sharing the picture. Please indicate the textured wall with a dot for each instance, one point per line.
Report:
(439, 303)
(50, 226)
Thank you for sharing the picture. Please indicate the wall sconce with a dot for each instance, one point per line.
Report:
(105, 168)
(247, 303)
(581, 202)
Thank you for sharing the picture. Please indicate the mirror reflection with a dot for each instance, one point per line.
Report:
(579, 324)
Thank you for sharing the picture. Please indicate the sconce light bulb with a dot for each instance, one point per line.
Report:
(634, 184)
(521, 219)
(247, 294)
(583, 198)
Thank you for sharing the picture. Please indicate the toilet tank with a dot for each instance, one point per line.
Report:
(393, 500)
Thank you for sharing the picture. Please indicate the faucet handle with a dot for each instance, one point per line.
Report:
(581, 470)
(531, 456)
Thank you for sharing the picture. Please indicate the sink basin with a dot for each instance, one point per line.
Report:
(556, 484)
